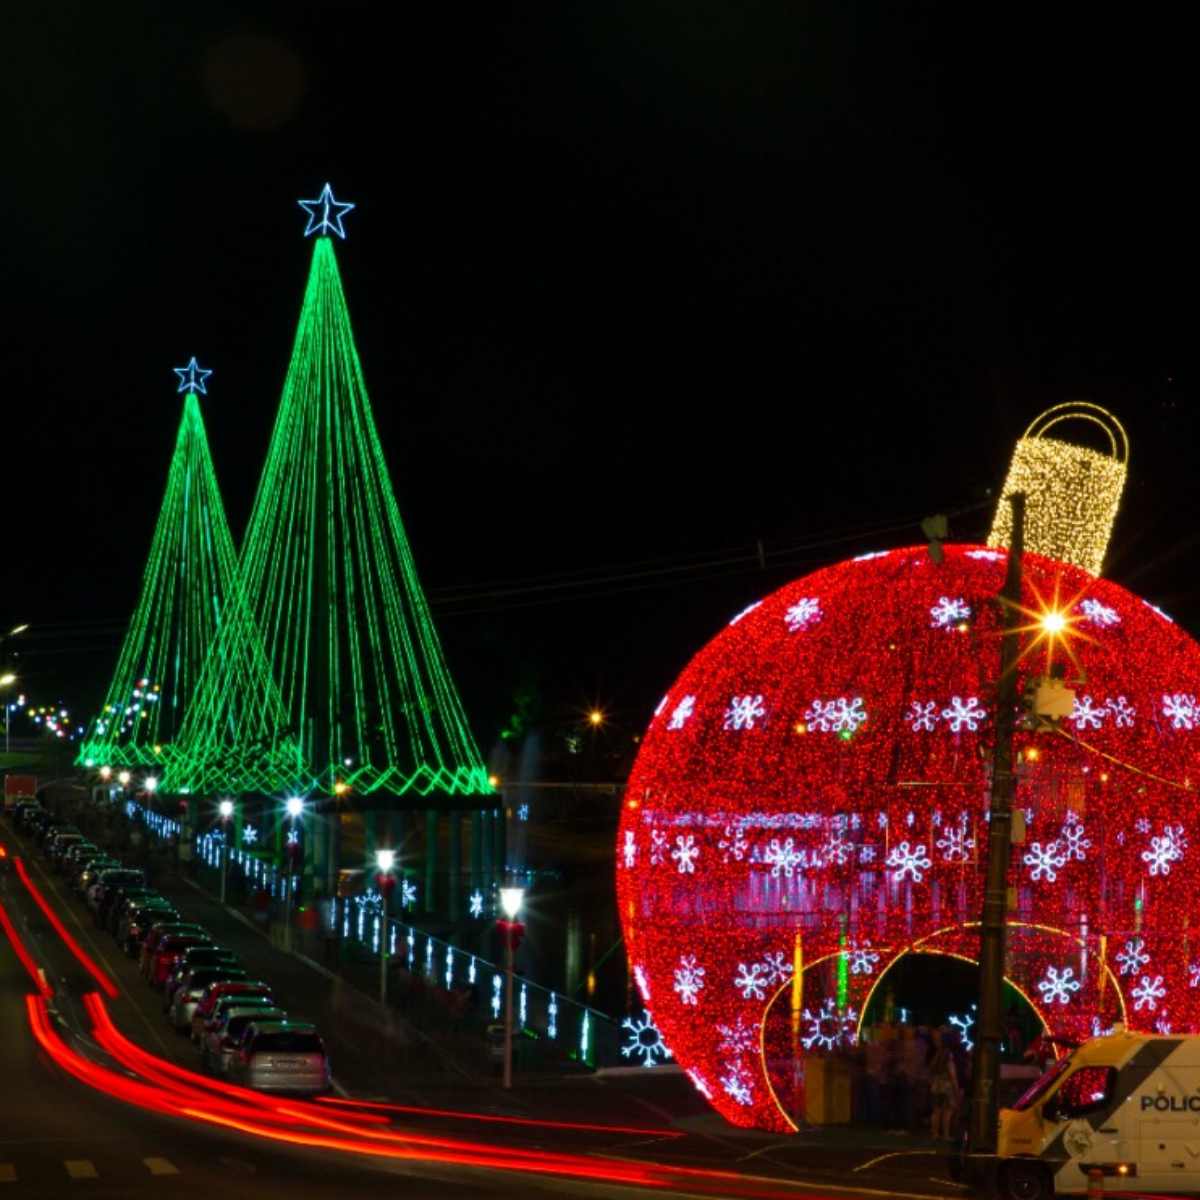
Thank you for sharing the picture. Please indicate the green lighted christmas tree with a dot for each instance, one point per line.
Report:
(356, 691)
(189, 575)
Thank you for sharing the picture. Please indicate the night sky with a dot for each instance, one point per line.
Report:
(636, 286)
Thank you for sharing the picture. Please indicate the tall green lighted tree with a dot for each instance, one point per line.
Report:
(189, 574)
(358, 693)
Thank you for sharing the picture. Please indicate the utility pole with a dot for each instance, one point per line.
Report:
(985, 1081)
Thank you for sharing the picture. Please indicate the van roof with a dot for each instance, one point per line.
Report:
(284, 1026)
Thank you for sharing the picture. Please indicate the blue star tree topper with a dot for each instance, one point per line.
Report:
(192, 377)
(325, 213)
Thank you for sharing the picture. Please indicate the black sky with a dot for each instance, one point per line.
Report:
(631, 282)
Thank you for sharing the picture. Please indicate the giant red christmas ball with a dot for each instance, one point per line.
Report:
(814, 789)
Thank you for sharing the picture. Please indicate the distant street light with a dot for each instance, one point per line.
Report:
(295, 806)
(595, 718)
(385, 860)
(150, 784)
(106, 773)
(511, 899)
(124, 778)
(225, 808)
(7, 679)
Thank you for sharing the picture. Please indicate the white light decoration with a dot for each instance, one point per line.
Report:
(1050, 471)
(585, 1035)
(294, 806)
(249, 835)
(191, 379)
(225, 808)
(385, 860)
(511, 899)
(552, 1017)
(743, 711)
(682, 711)
(643, 1041)
(1058, 985)
(522, 1006)
(748, 609)
(476, 903)
(449, 967)
(496, 995)
(325, 214)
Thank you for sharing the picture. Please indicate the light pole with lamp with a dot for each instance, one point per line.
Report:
(6, 681)
(225, 808)
(385, 860)
(511, 899)
(295, 810)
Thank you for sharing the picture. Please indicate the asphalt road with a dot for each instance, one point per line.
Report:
(61, 1137)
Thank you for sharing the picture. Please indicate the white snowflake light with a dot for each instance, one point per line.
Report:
(644, 1041)
(686, 853)
(658, 846)
(751, 980)
(629, 850)
(964, 1024)
(681, 712)
(862, 962)
(476, 903)
(964, 713)
(954, 844)
(408, 894)
(249, 835)
(743, 711)
(737, 1083)
(1086, 715)
(848, 715)
(689, 979)
(777, 966)
(1045, 860)
(1148, 993)
(733, 844)
(948, 612)
(1122, 712)
(1058, 985)
(293, 837)
(909, 861)
(1160, 855)
(783, 857)
(802, 614)
(1180, 708)
(827, 1027)
(739, 1038)
(1073, 841)
(1132, 958)
(922, 715)
(1099, 614)
(819, 716)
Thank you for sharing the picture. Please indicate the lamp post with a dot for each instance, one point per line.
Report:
(385, 860)
(6, 681)
(511, 899)
(225, 808)
(295, 810)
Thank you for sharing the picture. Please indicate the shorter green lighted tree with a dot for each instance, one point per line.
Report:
(189, 574)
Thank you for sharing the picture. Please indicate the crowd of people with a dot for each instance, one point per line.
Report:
(911, 1078)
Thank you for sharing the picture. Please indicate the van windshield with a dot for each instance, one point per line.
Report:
(287, 1043)
(1037, 1090)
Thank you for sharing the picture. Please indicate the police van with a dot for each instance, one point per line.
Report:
(1126, 1105)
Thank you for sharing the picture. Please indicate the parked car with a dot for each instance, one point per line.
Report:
(59, 840)
(204, 955)
(168, 953)
(73, 855)
(115, 877)
(18, 812)
(224, 1030)
(91, 872)
(192, 989)
(136, 923)
(281, 1056)
(115, 900)
(156, 933)
(208, 1003)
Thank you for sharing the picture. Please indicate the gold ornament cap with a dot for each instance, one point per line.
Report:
(1072, 492)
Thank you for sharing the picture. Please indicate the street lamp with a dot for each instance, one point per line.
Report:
(106, 773)
(225, 808)
(385, 860)
(123, 779)
(7, 680)
(294, 807)
(150, 784)
(511, 899)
